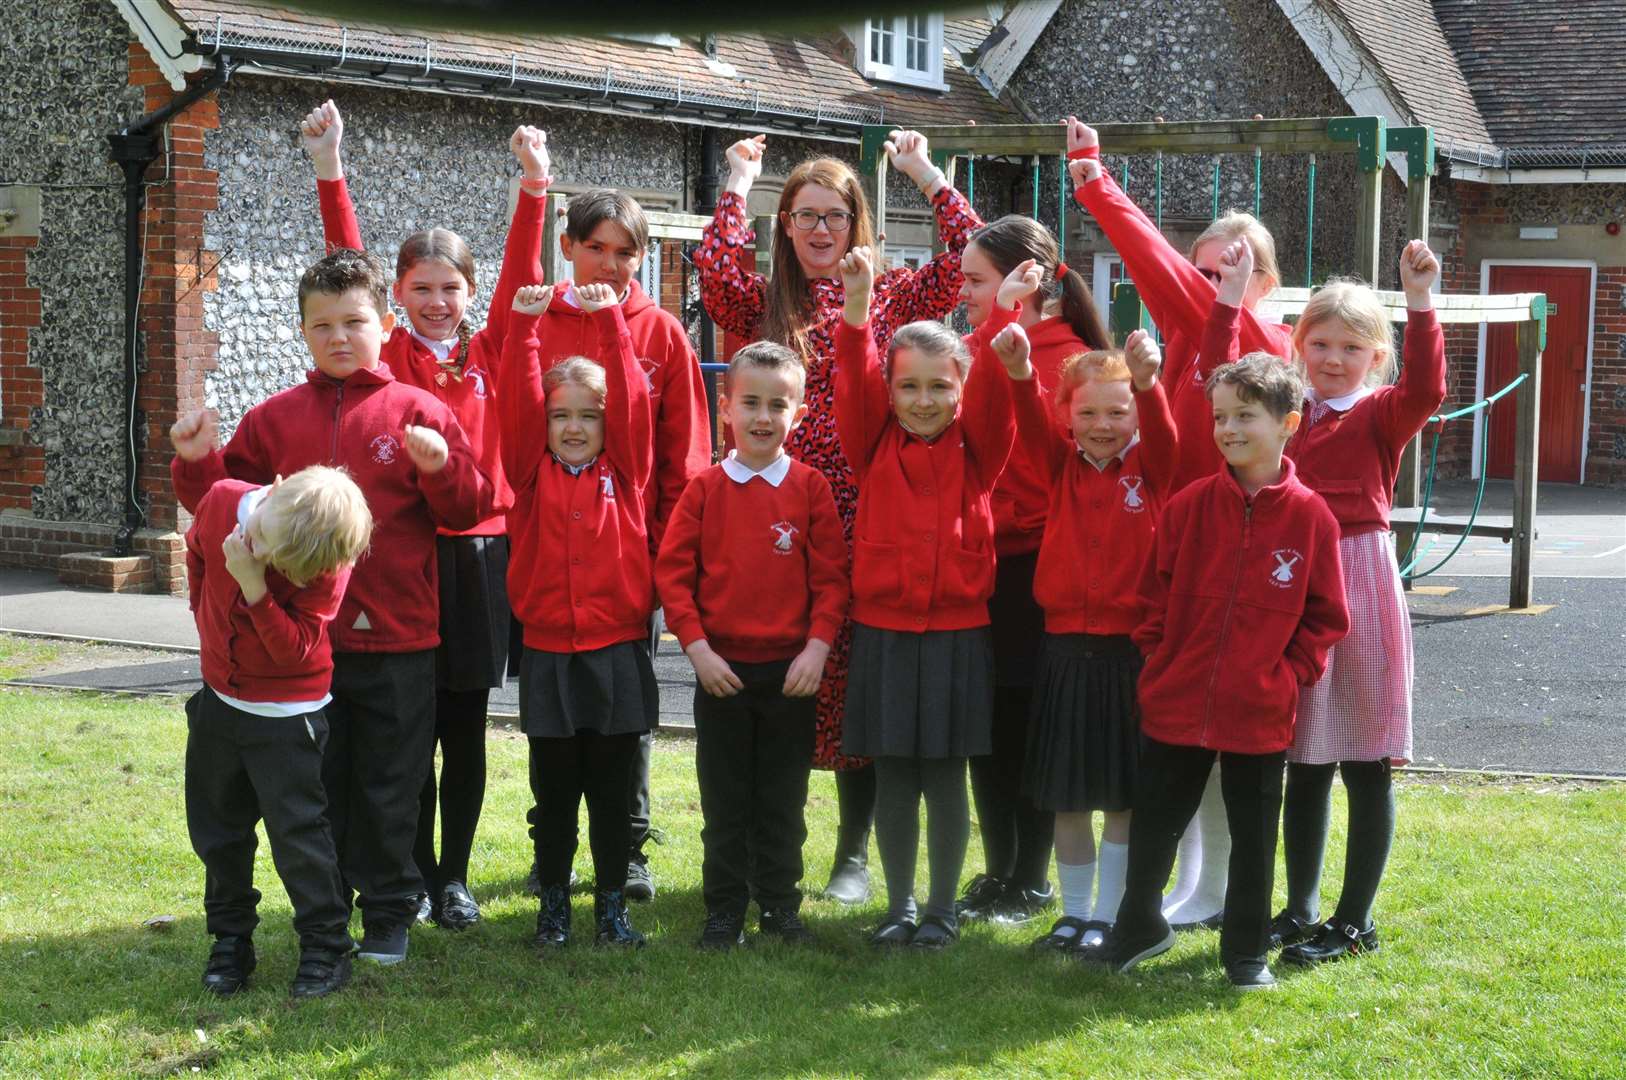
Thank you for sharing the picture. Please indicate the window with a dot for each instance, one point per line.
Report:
(912, 258)
(905, 49)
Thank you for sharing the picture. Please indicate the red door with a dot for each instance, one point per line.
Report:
(1563, 369)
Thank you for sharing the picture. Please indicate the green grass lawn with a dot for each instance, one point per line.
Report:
(1501, 919)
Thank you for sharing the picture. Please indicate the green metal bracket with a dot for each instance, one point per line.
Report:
(1417, 143)
(1128, 313)
(869, 154)
(1367, 133)
(1538, 312)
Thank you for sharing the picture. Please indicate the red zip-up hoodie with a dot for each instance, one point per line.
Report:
(1022, 496)
(1242, 597)
(579, 574)
(1101, 522)
(1179, 298)
(672, 379)
(274, 651)
(470, 395)
(923, 547)
(392, 604)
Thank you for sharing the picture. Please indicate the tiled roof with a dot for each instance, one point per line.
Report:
(809, 77)
(1542, 74)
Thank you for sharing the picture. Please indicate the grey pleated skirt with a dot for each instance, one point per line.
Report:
(610, 691)
(928, 695)
(1084, 732)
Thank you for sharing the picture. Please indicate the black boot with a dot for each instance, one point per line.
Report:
(553, 920)
(855, 800)
(231, 962)
(610, 912)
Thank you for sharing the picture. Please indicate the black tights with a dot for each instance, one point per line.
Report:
(1305, 813)
(1016, 835)
(460, 728)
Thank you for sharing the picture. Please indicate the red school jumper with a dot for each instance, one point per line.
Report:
(923, 549)
(672, 382)
(1179, 299)
(392, 605)
(579, 577)
(467, 383)
(757, 569)
(1235, 625)
(275, 650)
(1101, 522)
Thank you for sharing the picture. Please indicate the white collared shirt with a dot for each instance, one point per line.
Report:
(1341, 404)
(441, 349)
(774, 472)
(1101, 466)
(575, 470)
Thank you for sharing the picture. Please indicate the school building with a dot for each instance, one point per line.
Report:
(113, 322)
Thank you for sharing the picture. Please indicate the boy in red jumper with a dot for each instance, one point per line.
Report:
(752, 575)
(409, 457)
(1233, 626)
(266, 567)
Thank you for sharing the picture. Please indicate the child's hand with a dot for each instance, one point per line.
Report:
(244, 564)
(1235, 272)
(745, 163)
(532, 299)
(427, 449)
(1144, 359)
(194, 434)
(857, 269)
(1080, 136)
(320, 133)
(1012, 348)
(529, 146)
(805, 672)
(1019, 285)
(909, 154)
(595, 297)
(1419, 269)
(716, 677)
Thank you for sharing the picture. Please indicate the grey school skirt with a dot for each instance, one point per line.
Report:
(610, 691)
(928, 695)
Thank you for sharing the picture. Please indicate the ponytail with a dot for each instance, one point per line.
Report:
(1014, 238)
(1077, 308)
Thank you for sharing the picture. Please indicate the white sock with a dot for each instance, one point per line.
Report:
(1208, 898)
(1188, 859)
(1113, 863)
(1076, 883)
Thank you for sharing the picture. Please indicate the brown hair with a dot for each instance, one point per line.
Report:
(1013, 239)
(1354, 304)
(770, 356)
(1236, 225)
(1101, 365)
(441, 245)
(325, 523)
(578, 370)
(1261, 378)
(933, 339)
(590, 209)
(787, 313)
(342, 271)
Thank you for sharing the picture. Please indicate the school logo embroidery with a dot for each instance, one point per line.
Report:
(1196, 376)
(384, 449)
(1287, 561)
(479, 379)
(606, 484)
(648, 366)
(784, 530)
(1134, 501)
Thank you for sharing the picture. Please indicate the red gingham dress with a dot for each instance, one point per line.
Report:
(734, 295)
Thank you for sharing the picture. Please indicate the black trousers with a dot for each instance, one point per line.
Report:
(563, 771)
(1168, 788)
(240, 768)
(381, 742)
(753, 754)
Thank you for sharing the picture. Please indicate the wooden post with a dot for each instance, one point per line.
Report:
(553, 223)
(1525, 449)
(1369, 224)
(881, 166)
(1420, 174)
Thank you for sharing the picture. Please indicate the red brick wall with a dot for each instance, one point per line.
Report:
(1606, 437)
(21, 388)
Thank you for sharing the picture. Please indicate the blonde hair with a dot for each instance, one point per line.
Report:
(324, 523)
(788, 309)
(933, 339)
(1355, 305)
(1236, 225)
(578, 370)
(1101, 365)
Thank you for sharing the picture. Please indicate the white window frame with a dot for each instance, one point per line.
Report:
(901, 255)
(897, 26)
(1101, 284)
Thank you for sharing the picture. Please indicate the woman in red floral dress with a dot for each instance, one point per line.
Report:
(822, 214)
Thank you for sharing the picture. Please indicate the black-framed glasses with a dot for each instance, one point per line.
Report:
(834, 220)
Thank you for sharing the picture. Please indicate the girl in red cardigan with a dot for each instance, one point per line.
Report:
(1178, 292)
(437, 350)
(581, 585)
(822, 214)
(1060, 321)
(1357, 719)
(1107, 486)
(920, 695)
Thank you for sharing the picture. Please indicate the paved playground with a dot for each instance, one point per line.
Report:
(1539, 691)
